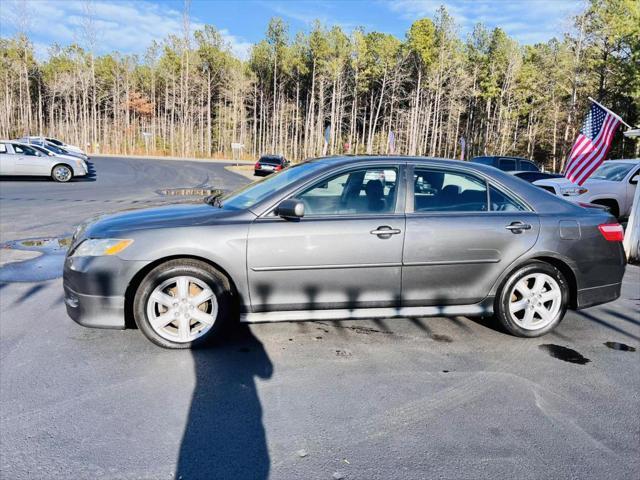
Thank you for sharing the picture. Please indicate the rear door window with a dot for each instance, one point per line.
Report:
(448, 191)
(501, 202)
(3, 148)
(507, 164)
(528, 166)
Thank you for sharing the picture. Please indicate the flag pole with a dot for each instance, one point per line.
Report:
(611, 112)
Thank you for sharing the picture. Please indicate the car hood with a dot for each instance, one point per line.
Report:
(67, 158)
(182, 215)
(564, 182)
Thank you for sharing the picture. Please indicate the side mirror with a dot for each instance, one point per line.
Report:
(634, 180)
(290, 209)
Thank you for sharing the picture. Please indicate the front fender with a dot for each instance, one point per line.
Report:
(224, 246)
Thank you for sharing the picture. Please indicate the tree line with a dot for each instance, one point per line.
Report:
(327, 91)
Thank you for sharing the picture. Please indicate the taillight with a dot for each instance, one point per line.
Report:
(613, 232)
(257, 164)
(278, 168)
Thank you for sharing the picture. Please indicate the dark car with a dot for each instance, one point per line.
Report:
(508, 164)
(347, 237)
(270, 164)
(535, 176)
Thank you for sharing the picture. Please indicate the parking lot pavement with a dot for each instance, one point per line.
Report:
(406, 399)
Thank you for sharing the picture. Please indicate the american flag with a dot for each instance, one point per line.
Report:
(592, 145)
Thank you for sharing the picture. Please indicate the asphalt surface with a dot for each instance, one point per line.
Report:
(394, 399)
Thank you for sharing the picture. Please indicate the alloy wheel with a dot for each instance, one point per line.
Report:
(62, 173)
(535, 301)
(182, 309)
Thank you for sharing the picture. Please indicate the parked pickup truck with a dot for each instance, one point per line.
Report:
(612, 185)
(508, 164)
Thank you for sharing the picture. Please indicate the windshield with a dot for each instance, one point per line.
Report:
(55, 149)
(614, 172)
(255, 192)
(41, 150)
(54, 141)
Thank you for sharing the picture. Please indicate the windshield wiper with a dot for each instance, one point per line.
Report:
(214, 199)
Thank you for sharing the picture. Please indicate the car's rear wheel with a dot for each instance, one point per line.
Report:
(183, 303)
(61, 173)
(533, 300)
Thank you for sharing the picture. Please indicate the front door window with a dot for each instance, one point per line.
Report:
(368, 191)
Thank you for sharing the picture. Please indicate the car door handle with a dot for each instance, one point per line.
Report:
(518, 227)
(385, 231)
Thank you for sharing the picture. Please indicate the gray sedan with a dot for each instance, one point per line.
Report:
(339, 238)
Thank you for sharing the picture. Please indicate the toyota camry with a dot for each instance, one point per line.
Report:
(344, 238)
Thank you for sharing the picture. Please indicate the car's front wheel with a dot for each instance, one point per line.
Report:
(533, 300)
(61, 173)
(183, 303)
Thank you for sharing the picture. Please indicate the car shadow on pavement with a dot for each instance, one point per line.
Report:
(224, 436)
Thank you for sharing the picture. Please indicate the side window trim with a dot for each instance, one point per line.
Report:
(489, 182)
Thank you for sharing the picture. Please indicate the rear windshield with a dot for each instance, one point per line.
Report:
(271, 160)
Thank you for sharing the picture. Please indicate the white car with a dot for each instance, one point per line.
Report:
(613, 185)
(20, 159)
(58, 143)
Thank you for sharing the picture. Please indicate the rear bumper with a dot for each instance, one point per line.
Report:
(589, 297)
(261, 171)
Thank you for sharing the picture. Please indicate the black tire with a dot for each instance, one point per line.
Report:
(59, 178)
(215, 280)
(502, 301)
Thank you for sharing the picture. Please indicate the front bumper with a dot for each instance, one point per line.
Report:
(80, 171)
(95, 287)
(93, 310)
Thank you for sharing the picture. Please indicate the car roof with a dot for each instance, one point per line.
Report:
(502, 156)
(339, 160)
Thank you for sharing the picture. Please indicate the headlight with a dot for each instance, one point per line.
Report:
(573, 191)
(96, 247)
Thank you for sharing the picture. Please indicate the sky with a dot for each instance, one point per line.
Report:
(129, 26)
